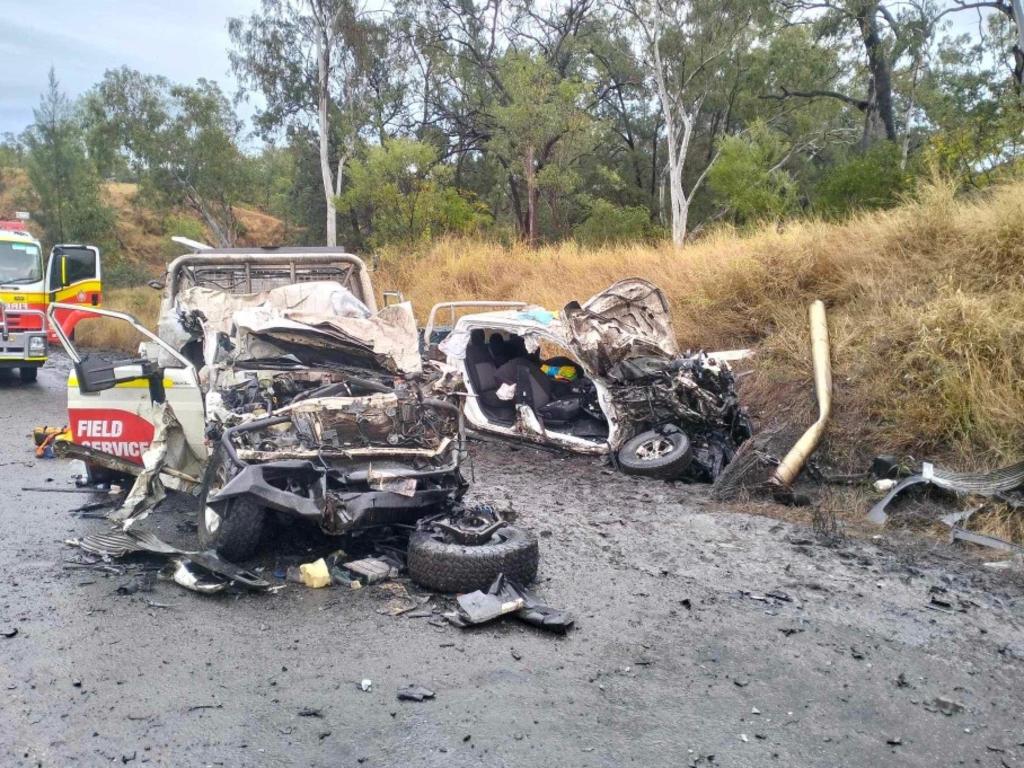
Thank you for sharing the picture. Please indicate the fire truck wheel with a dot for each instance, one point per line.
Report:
(28, 374)
(235, 527)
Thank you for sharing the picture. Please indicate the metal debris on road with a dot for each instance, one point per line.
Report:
(203, 572)
(991, 484)
(505, 597)
(414, 693)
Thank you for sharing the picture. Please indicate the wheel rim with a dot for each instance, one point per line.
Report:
(654, 448)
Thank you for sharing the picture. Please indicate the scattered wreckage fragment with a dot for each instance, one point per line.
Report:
(1003, 484)
(991, 484)
(506, 597)
(203, 572)
(604, 377)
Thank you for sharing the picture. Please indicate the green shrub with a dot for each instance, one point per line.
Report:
(870, 180)
(748, 177)
(608, 223)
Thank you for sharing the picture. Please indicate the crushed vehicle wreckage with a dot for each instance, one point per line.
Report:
(275, 391)
(602, 377)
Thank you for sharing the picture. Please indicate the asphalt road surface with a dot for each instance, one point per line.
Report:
(704, 637)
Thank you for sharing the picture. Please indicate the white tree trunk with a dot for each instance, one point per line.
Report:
(678, 128)
(323, 132)
(1017, 7)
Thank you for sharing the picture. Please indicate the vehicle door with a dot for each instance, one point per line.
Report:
(113, 405)
(73, 277)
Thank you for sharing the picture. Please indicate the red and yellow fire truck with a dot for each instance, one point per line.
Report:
(28, 284)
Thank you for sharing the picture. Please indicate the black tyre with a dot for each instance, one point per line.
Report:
(653, 454)
(28, 373)
(444, 567)
(235, 528)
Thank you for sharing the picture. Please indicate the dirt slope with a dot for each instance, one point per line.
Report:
(143, 234)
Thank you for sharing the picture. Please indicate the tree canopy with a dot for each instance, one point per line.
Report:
(637, 119)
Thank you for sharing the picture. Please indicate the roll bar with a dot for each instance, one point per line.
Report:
(289, 256)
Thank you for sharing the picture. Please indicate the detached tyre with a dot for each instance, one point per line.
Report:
(654, 454)
(234, 528)
(442, 566)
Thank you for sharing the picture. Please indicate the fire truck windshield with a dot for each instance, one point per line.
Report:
(20, 263)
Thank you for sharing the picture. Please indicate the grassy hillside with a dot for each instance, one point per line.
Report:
(142, 235)
(926, 312)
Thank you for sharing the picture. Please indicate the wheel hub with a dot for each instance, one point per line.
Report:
(655, 448)
(470, 527)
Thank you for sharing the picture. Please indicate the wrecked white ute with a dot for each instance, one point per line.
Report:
(291, 395)
(602, 377)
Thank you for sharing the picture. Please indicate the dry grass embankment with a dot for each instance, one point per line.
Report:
(926, 312)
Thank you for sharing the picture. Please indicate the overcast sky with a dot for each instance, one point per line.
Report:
(181, 39)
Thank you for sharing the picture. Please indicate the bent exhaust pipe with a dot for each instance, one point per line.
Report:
(801, 451)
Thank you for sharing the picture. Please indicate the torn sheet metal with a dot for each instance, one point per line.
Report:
(958, 533)
(967, 483)
(198, 571)
(628, 319)
(316, 297)
(387, 340)
(65, 449)
(318, 320)
(182, 573)
(169, 446)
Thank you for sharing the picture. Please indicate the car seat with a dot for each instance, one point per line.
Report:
(534, 388)
(480, 368)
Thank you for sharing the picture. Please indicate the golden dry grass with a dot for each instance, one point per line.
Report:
(142, 302)
(926, 312)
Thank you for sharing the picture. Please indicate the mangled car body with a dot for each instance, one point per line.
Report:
(295, 398)
(602, 377)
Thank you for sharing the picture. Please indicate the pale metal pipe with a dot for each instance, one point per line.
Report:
(798, 455)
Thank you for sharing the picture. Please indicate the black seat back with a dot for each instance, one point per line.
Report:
(500, 351)
(479, 365)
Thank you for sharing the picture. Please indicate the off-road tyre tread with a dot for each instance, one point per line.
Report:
(456, 568)
(241, 526)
